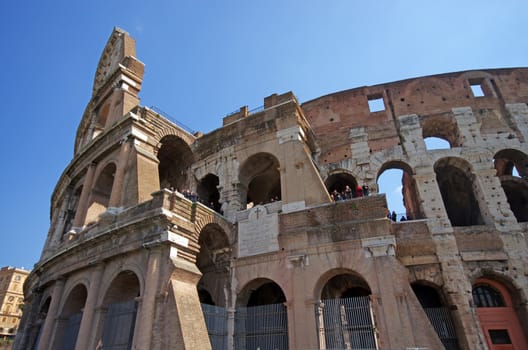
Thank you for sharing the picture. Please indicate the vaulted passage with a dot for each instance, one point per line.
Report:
(454, 180)
(120, 303)
(208, 191)
(342, 186)
(512, 170)
(438, 314)
(344, 317)
(175, 159)
(100, 195)
(260, 179)
(261, 320)
(70, 319)
(407, 196)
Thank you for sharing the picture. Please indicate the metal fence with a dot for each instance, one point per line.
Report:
(119, 325)
(440, 318)
(72, 330)
(262, 327)
(216, 322)
(346, 324)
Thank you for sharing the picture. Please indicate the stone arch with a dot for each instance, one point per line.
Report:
(341, 182)
(175, 159)
(120, 305)
(213, 262)
(456, 183)
(101, 192)
(260, 179)
(173, 132)
(208, 191)
(43, 309)
(437, 310)
(70, 317)
(345, 285)
(508, 159)
(411, 199)
(261, 307)
(516, 191)
(101, 118)
(443, 126)
(515, 187)
(344, 314)
(72, 203)
(261, 291)
(496, 307)
(428, 294)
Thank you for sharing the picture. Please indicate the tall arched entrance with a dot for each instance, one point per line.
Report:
(120, 305)
(70, 319)
(344, 315)
(497, 316)
(261, 320)
(438, 314)
(455, 182)
(260, 179)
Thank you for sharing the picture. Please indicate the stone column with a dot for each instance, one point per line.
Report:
(86, 328)
(519, 114)
(51, 317)
(117, 187)
(301, 314)
(146, 313)
(82, 207)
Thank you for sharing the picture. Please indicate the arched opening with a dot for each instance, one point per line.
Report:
(101, 119)
(344, 315)
(101, 192)
(438, 314)
(511, 162)
(439, 130)
(120, 304)
(205, 297)
(433, 143)
(213, 262)
(512, 169)
(343, 186)
(516, 191)
(455, 182)
(71, 210)
(395, 179)
(208, 192)
(261, 320)
(175, 159)
(496, 313)
(260, 177)
(41, 318)
(70, 318)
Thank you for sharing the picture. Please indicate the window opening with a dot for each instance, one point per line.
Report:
(477, 88)
(432, 143)
(499, 336)
(376, 103)
(390, 183)
(487, 296)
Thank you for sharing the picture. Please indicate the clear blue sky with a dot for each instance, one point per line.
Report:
(205, 59)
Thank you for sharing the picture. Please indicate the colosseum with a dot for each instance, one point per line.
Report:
(270, 231)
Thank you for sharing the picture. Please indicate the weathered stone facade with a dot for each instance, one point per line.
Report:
(149, 220)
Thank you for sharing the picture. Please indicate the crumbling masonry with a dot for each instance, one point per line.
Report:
(165, 239)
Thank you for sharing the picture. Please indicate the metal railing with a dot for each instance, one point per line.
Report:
(346, 324)
(262, 327)
(440, 318)
(216, 322)
(172, 119)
